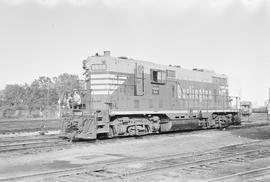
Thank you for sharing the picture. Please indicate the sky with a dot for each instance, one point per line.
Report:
(50, 37)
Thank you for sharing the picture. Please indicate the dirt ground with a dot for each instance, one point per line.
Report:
(87, 153)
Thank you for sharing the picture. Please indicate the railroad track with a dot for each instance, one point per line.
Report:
(26, 125)
(247, 176)
(182, 163)
(27, 138)
(11, 145)
(197, 164)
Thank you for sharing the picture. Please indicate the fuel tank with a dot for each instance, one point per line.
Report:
(177, 125)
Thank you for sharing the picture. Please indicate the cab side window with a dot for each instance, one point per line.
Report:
(155, 76)
(158, 76)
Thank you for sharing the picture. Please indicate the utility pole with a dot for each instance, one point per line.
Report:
(236, 100)
(268, 107)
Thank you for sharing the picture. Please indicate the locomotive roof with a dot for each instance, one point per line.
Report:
(126, 65)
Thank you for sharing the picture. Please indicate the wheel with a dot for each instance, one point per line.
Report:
(147, 128)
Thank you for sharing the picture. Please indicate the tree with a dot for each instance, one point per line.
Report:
(66, 83)
(40, 93)
(2, 98)
(14, 94)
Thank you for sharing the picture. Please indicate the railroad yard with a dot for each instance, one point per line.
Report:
(134, 91)
(238, 153)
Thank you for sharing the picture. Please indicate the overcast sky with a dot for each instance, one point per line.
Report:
(50, 37)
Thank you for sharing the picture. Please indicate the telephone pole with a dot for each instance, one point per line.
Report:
(268, 106)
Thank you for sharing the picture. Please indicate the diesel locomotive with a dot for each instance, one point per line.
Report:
(128, 97)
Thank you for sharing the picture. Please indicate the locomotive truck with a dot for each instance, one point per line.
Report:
(128, 97)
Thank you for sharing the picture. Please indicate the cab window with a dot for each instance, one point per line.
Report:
(158, 76)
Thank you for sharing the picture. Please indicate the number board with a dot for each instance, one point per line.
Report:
(155, 90)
